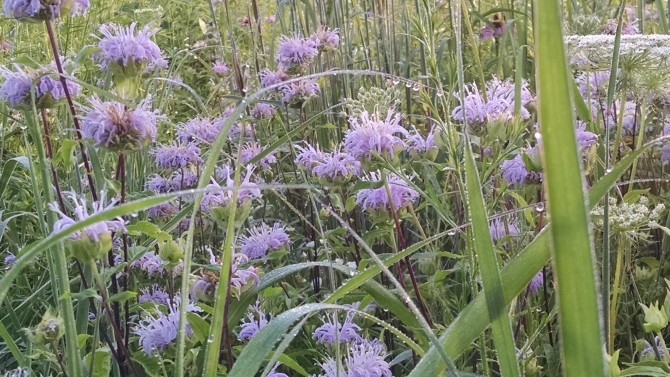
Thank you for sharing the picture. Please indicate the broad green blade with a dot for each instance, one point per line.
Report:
(571, 247)
(490, 273)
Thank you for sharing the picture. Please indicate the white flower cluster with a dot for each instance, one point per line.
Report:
(596, 50)
(630, 219)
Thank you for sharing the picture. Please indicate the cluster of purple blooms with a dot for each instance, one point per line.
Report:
(95, 232)
(157, 331)
(219, 196)
(369, 135)
(294, 56)
(129, 49)
(263, 239)
(363, 358)
(43, 10)
(333, 331)
(402, 195)
(497, 105)
(332, 166)
(501, 229)
(252, 149)
(257, 320)
(114, 126)
(17, 84)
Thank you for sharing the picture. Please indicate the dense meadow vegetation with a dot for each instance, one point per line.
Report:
(334, 188)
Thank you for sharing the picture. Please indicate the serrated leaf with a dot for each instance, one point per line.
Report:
(123, 296)
(101, 366)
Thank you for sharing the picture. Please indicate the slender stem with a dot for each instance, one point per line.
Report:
(59, 66)
(615, 296)
(401, 241)
(56, 258)
(122, 354)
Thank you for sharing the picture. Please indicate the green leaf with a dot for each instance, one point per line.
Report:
(151, 364)
(86, 293)
(289, 362)
(392, 303)
(123, 296)
(7, 171)
(490, 272)
(200, 326)
(102, 365)
(148, 229)
(572, 250)
(64, 153)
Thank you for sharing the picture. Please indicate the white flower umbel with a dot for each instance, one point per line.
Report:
(596, 50)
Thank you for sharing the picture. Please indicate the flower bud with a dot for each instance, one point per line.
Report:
(170, 251)
(655, 318)
(49, 330)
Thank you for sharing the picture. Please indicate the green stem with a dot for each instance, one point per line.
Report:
(56, 258)
(615, 297)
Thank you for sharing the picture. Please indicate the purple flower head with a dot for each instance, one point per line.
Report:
(417, 145)
(154, 294)
(585, 139)
(269, 78)
(363, 359)
(627, 28)
(162, 212)
(41, 10)
(129, 49)
(489, 32)
(183, 179)
(473, 107)
(17, 84)
(157, 184)
(665, 149)
(198, 129)
(499, 105)
(648, 352)
(263, 111)
(309, 157)
(177, 155)
(514, 171)
(242, 278)
(496, 88)
(112, 125)
(274, 373)
(95, 232)
(251, 150)
(295, 54)
(299, 91)
(593, 85)
(332, 330)
(157, 331)
(665, 154)
(500, 229)
(263, 239)
(370, 134)
(326, 39)
(150, 263)
(402, 195)
(220, 68)
(256, 321)
(9, 259)
(536, 283)
(219, 196)
(337, 165)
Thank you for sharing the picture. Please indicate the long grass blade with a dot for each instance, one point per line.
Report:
(490, 273)
(572, 250)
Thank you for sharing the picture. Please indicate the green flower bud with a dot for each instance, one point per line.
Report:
(87, 250)
(655, 318)
(49, 330)
(170, 251)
